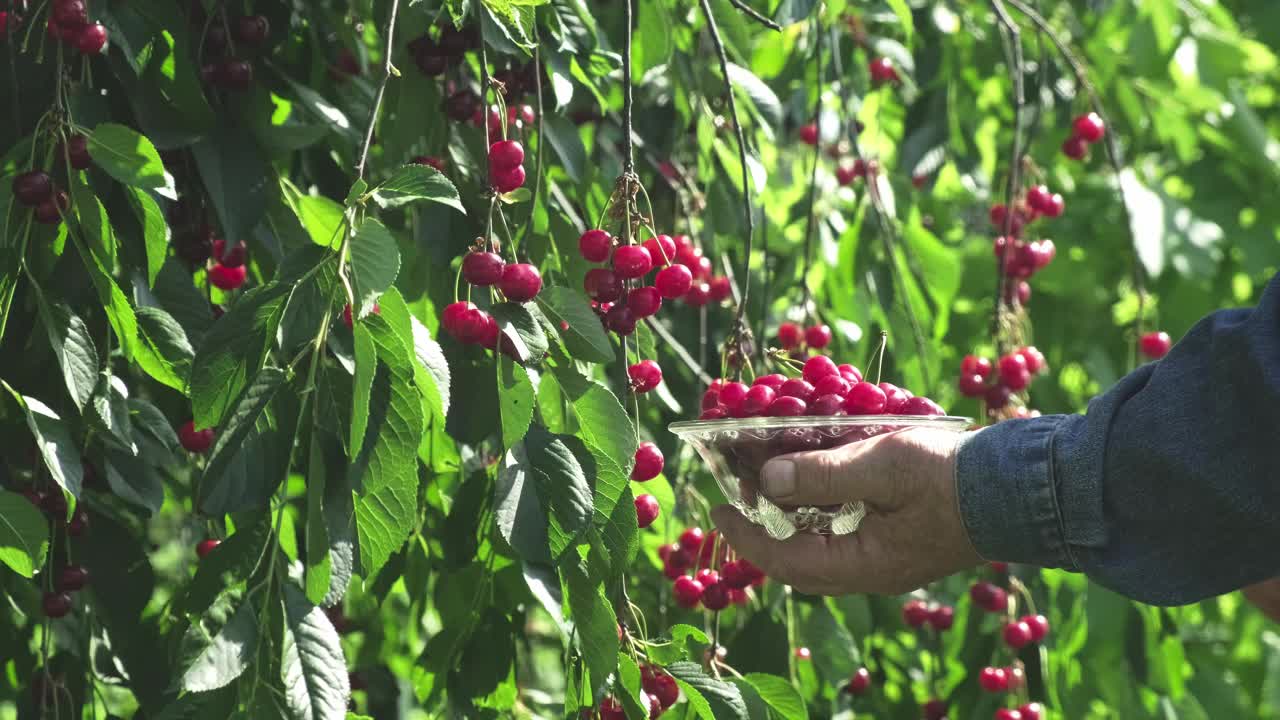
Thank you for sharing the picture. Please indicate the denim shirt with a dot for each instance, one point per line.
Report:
(1167, 490)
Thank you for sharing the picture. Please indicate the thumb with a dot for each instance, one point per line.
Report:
(857, 471)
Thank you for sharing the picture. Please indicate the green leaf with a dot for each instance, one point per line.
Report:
(74, 348)
(321, 217)
(130, 158)
(684, 638)
(319, 568)
(517, 508)
(365, 355)
(779, 694)
(227, 655)
(155, 231)
(417, 183)
(229, 564)
(571, 316)
(594, 620)
(518, 326)
(720, 699)
(164, 351)
(234, 172)
(24, 534)
(562, 488)
(903, 11)
(375, 262)
(515, 400)
(119, 313)
(385, 472)
(314, 669)
(563, 136)
(608, 433)
(762, 96)
(110, 414)
(134, 480)
(233, 351)
(629, 681)
(248, 408)
(53, 440)
(432, 358)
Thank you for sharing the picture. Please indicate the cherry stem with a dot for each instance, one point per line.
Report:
(884, 341)
(382, 88)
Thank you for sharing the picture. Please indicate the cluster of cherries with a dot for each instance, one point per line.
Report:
(649, 463)
(918, 613)
(69, 23)
(506, 172)
(1017, 634)
(683, 272)
(823, 388)
(659, 692)
(847, 170)
(519, 282)
(701, 554)
(229, 72)
(997, 383)
(792, 337)
(37, 190)
(1085, 130)
(228, 271)
(71, 578)
(433, 56)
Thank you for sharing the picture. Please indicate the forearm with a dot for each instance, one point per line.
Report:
(1167, 490)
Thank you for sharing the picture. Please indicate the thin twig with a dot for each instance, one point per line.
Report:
(628, 160)
(751, 13)
(813, 171)
(1012, 38)
(741, 332)
(679, 349)
(768, 282)
(387, 69)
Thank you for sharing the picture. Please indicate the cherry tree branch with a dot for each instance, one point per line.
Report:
(751, 13)
(387, 69)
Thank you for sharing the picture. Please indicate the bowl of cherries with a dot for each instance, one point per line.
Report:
(828, 405)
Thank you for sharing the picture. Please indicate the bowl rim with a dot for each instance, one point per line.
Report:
(684, 427)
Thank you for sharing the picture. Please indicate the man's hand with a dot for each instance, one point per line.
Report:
(912, 535)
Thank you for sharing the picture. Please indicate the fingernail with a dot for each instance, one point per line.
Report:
(779, 478)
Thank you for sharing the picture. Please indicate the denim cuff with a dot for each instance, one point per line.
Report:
(1008, 500)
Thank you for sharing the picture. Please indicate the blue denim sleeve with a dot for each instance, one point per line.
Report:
(1167, 490)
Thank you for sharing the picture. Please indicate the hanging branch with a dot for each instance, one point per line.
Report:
(741, 332)
(1114, 158)
(813, 171)
(1012, 40)
(387, 69)
(751, 13)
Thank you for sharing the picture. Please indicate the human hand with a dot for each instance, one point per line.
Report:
(912, 534)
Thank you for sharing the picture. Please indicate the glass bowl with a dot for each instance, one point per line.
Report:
(737, 449)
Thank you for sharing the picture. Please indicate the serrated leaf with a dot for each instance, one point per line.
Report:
(233, 351)
(257, 467)
(53, 441)
(319, 568)
(679, 647)
(572, 318)
(24, 534)
(518, 327)
(762, 96)
(164, 351)
(781, 697)
(608, 433)
(712, 699)
(229, 564)
(562, 487)
(248, 408)
(129, 157)
(314, 669)
(562, 135)
(417, 183)
(596, 624)
(515, 400)
(234, 172)
(227, 655)
(629, 680)
(74, 348)
(364, 355)
(119, 312)
(109, 414)
(375, 263)
(155, 231)
(133, 480)
(517, 509)
(432, 358)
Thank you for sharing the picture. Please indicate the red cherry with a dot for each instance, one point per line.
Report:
(632, 261)
(989, 597)
(935, 709)
(895, 398)
(665, 688)
(79, 523)
(621, 320)
(789, 336)
(827, 406)
(997, 396)
(720, 289)
(715, 596)
(1007, 714)
(1031, 711)
(972, 385)
(846, 174)
(1075, 148)
(234, 74)
(803, 653)
(56, 604)
(757, 400)
(70, 12)
(1039, 198)
(673, 281)
(520, 282)
(1054, 206)
(1017, 678)
(452, 314)
(774, 380)
(227, 278)
(647, 510)
(732, 396)
(687, 591)
(505, 155)
(72, 578)
(851, 374)
(688, 255)
(33, 188)
(196, 441)
(698, 295)
(595, 245)
(707, 576)
(702, 271)
(832, 385)
(865, 399)
(662, 249)
(504, 181)
(787, 406)
(233, 256)
(942, 617)
(1090, 127)
(91, 39)
(472, 327)
(692, 538)
(1155, 345)
(710, 399)
(610, 709)
(1039, 626)
(797, 388)
(920, 405)
(649, 462)
(883, 71)
(818, 337)
(993, 679)
(809, 134)
(713, 414)
(204, 547)
(1017, 634)
(860, 682)
(915, 613)
(1034, 359)
(1042, 253)
(644, 301)
(974, 365)
(818, 367)
(645, 376)
(603, 285)
(482, 268)
(1013, 371)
